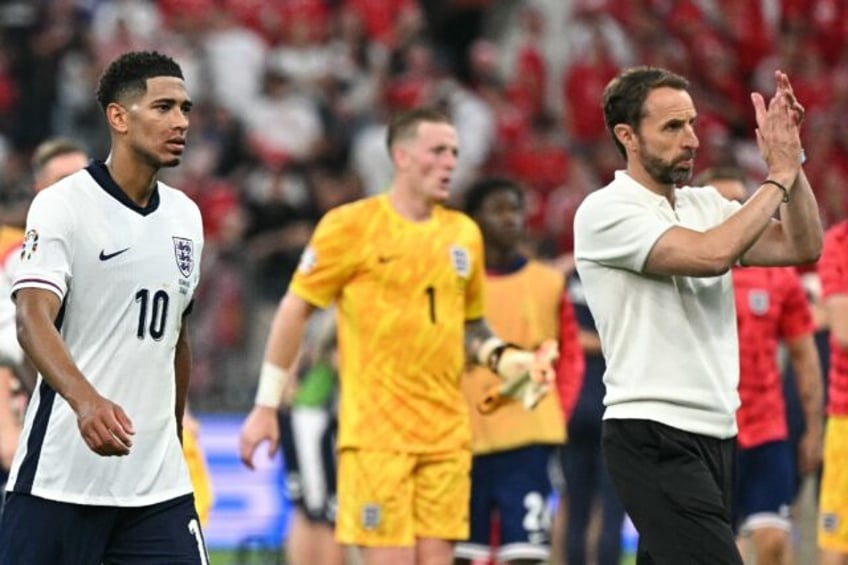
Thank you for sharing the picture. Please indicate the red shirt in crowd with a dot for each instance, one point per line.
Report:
(770, 306)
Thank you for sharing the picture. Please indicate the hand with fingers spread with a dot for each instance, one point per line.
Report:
(777, 132)
(260, 425)
(105, 427)
(784, 88)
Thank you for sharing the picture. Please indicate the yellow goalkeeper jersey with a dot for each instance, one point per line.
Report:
(404, 291)
(523, 308)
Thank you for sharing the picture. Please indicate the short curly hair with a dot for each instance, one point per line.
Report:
(129, 73)
(480, 190)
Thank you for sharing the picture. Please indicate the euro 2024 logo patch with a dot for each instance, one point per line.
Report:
(30, 245)
(184, 254)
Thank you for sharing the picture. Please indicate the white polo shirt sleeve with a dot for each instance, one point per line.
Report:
(617, 232)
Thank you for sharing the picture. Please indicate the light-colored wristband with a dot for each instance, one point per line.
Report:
(272, 381)
(484, 352)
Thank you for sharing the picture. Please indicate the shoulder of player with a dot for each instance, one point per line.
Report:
(457, 217)
(169, 195)
(539, 268)
(354, 212)
(616, 195)
(65, 194)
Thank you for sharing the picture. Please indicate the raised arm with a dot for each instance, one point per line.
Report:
(797, 237)
(752, 233)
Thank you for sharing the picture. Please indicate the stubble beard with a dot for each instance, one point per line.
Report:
(664, 172)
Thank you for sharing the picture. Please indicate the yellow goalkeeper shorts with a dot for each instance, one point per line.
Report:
(833, 502)
(390, 499)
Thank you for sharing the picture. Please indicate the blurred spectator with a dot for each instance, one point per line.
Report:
(282, 123)
(237, 61)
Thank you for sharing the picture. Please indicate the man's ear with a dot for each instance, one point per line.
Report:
(400, 156)
(626, 136)
(117, 116)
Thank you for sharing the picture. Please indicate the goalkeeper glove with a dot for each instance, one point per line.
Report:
(527, 375)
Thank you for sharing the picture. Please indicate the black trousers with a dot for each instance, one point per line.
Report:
(677, 487)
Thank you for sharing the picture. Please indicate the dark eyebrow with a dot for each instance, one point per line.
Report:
(172, 101)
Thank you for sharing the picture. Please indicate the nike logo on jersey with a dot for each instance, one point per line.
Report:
(106, 256)
(386, 258)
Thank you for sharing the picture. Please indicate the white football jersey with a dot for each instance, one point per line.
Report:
(125, 276)
(10, 350)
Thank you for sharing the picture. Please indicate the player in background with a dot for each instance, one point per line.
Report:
(833, 500)
(589, 492)
(771, 307)
(406, 275)
(109, 266)
(52, 161)
(514, 447)
(308, 429)
(11, 355)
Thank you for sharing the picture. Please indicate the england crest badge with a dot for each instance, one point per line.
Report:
(184, 254)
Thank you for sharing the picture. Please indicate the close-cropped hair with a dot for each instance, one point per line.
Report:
(480, 190)
(624, 97)
(50, 149)
(404, 125)
(128, 74)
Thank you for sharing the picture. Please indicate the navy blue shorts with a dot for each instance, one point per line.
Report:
(515, 484)
(36, 531)
(765, 486)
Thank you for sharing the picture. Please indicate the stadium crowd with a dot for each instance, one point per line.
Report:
(292, 98)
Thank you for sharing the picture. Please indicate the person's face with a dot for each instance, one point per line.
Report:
(428, 159)
(665, 142)
(59, 167)
(501, 218)
(732, 189)
(157, 123)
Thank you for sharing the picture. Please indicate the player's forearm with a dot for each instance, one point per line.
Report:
(805, 362)
(281, 349)
(801, 221)
(41, 341)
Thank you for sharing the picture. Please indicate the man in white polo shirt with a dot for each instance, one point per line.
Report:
(655, 256)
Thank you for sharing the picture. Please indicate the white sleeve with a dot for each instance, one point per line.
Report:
(617, 232)
(47, 252)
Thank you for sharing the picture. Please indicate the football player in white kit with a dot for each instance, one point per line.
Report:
(109, 266)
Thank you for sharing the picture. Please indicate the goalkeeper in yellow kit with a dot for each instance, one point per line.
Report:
(406, 275)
